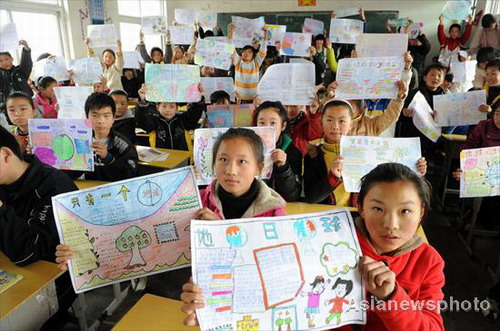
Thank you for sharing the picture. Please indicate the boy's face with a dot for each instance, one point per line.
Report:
(129, 74)
(121, 104)
(319, 43)
(336, 123)
(496, 118)
(157, 57)
(493, 76)
(98, 87)
(102, 120)
(247, 55)
(20, 111)
(454, 33)
(434, 79)
(167, 110)
(5, 62)
(446, 85)
(293, 111)
(207, 71)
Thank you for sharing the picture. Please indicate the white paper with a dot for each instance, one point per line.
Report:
(381, 44)
(344, 30)
(296, 44)
(132, 60)
(245, 30)
(362, 154)
(369, 78)
(275, 33)
(259, 271)
(207, 21)
(344, 12)
(71, 101)
(313, 26)
(154, 24)
(148, 154)
(181, 35)
(214, 54)
(290, 83)
(185, 16)
(422, 117)
(102, 35)
(480, 172)
(86, 71)
(463, 71)
(9, 41)
(212, 84)
(459, 108)
(54, 67)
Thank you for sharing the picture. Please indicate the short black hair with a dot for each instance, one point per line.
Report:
(209, 33)
(495, 63)
(248, 134)
(435, 66)
(155, 49)
(44, 82)
(348, 285)
(486, 54)
(487, 20)
(109, 50)
(99, 100)
(455, 25)
(249, 47)
(219, 96)
(448, 77)
(6, 53)
(21, 95)
(336, 103)
(119, 92)
(9, 141)
(271, 104)
(319, 37)
(393, 172)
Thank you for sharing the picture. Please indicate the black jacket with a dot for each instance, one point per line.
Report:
(419, 54)
(16, 79)
(170, 133)
(317, 188)
(28, 231)
(126, 127)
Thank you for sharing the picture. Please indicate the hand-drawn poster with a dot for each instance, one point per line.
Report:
(86, 71)
(128, 229)
(9, 41)
(207, 21)
(381, 44)
(62, 144)
(422, 117)
(290, 83)
(369, 78)
(181, 35)
(71, 101)
(345, 12)
(215, 54)
(154, 24)
(275, 33)
(132, 60)
(480, 172)
(295, 272)
(204, 140)
(459, 108)
(362, 154)
(313, 26)
(212, 84)
(296, 44)
(102, 35)
(185, 16)
(463, 71)
(456, 10)
(54, 67)
(230, 116)
(345, 30)
(246, 30)
(172, 83)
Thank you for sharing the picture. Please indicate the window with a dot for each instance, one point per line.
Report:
(139, 8)
(129, 34)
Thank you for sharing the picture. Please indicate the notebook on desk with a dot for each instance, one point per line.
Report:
(7, 279)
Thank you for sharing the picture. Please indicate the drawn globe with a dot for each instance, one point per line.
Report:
(149, 193)
(236, 236)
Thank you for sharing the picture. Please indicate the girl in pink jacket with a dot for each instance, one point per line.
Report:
(45, 100)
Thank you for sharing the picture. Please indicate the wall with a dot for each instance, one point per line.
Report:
(76, 24)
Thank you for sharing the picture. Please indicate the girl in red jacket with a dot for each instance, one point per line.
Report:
(450, 46)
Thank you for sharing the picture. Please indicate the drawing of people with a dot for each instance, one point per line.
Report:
(317, 288)
(279, 321)
(341, 288)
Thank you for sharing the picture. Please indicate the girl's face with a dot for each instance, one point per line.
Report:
(236, 165)
(293, 111)
(319, 44)
(5, 62)
(157, 57)
(207, 71)
(98, 87)
(336, 122)
(493, 76)
(121, 104)
(392, 213)
(48, 92)
(20, 111)
(247, 55)
(270, 117)
(434, 79)
(167, 109)
(454, 33)
(178, 53)
(108, 58)
(340, 290)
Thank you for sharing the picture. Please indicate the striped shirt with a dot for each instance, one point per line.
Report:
(246, 76)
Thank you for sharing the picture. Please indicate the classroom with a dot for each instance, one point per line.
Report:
(249, 165)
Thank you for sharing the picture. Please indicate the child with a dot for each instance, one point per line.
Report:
(490, 33)
(304, 124)
(220, 97)
(492, 86)
(156, 54)
(287, 169)
(20, 109)
(124, 119)
(112, 65)
(450, 46)
(341, 288)
(321, 56)
(131, 82)
(15, 78)
(45, 100)
(168, 125)
(397, 265)
(484, 55)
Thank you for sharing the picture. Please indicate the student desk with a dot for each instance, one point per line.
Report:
(83, 184)
(32, 300)
(175, 159)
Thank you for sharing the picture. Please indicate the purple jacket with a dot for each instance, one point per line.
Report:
(485, 134)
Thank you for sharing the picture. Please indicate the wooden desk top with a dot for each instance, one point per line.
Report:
(175, 157)
(455, 137)
(83, 184)
(152, 312)
(35, 277)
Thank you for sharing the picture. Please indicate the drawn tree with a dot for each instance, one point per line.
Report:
(133, 239)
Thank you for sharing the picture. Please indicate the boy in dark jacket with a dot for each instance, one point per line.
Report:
(15, 78)
(124, 118)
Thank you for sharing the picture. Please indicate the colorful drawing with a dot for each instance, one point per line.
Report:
(86, 71)
(71, 101)
(333, 264)
(275, 33)
(204, 140)
(480, 172)
(313, 26)
(381, 44)
(258, 279)
(370, 78)
(207, 20)
(362, 154)
(185, 16)
(62, 144)
(172, 83)
(463, 71)
(54, 67)
(247, 324)
(9, 41)
(181, 35)
(341, 288)
(295, 44)
(154, 24)
(127, 229)
(246, 30)
(345, 30)
(102, 35)
(459, 108)
(290, 83)
(212, 84)
(229, 116)
(422, 117)
(215, 54)
(456, 10)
